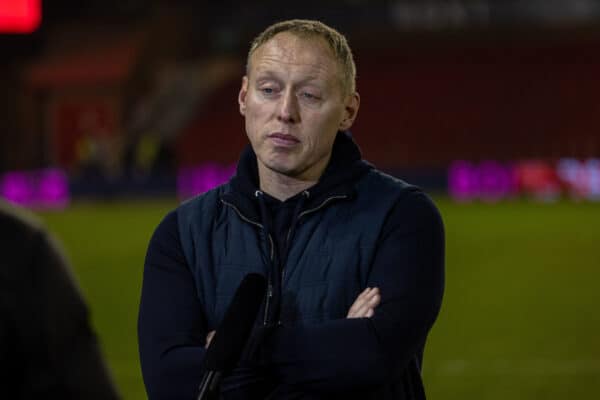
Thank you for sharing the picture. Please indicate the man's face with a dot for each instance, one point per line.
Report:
(294, 104)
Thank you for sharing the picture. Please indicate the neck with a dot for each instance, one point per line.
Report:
(281, 186)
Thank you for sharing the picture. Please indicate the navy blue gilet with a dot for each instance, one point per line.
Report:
(328, 259)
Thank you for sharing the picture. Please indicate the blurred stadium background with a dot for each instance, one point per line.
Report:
(112, 112)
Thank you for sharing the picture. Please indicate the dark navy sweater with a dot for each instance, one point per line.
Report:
(408, 269)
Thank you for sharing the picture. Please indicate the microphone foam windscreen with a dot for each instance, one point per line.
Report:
(232, 334)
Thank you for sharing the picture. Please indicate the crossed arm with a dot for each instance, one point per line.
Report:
(363, 307)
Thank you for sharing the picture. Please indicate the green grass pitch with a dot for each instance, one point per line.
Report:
(520, 318)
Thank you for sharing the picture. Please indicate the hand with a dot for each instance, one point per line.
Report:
(209, 337)
(365, 303)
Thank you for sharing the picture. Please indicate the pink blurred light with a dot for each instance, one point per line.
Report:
(17, 188)
(495, 181)
(53, 188)
(462, 181)
(193, 181)
(543, 180)
(43, 189)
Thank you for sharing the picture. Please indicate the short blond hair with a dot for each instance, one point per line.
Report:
(310, 29)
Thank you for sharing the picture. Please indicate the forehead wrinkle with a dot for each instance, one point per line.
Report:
(310, 71)
(277, 60)
(292, 59)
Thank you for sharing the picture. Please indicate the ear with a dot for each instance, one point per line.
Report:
(350, 111)
(242, 95)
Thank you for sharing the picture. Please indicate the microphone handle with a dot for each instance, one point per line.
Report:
(209, 385)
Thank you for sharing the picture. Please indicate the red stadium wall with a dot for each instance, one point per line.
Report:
(217, 134)
(429, 105)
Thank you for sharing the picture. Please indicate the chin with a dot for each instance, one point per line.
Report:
(281, 163)
(282, 169)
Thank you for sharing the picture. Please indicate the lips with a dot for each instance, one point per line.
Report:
(283, 139)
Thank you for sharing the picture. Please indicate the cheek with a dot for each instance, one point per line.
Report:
(328, 123)
(332, 116)
(257, 111)
(254, 115)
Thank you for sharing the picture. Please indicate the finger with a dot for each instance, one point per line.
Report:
(353, 312)
(363, 311)
(372, 297)
(363, 294)
(367, 299)
(375, 300)
(359, 302)
(357, 311)
(368, 292)
(370, 313)
(366, 306)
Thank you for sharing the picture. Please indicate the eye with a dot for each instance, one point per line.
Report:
(310, 96)
(268, 91)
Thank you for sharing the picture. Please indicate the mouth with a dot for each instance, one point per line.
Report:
(283, 139)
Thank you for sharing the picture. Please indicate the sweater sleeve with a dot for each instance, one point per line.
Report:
(352, 353)
(171, 326)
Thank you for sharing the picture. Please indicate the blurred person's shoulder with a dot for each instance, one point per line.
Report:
(17, 223)
(23, 238)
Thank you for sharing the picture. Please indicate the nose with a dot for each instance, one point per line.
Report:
(288, 108)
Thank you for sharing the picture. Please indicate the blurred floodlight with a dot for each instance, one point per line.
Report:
(20, 16)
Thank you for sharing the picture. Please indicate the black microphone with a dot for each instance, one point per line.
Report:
(231, 336)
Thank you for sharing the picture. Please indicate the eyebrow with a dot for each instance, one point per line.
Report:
(266, 75)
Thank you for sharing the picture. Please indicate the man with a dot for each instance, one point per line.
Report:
(353, 257)
(47, 347)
